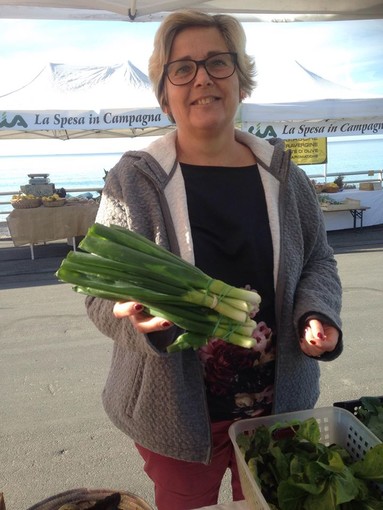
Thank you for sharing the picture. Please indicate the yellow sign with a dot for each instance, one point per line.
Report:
(308, 151)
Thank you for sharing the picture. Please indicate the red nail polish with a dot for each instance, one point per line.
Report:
(138, 308)
(319, 335)
(166, 324)
(313, 342)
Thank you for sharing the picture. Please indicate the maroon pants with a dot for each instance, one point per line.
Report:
(181, 485)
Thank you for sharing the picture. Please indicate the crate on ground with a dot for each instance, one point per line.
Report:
(353, 405)
(351, 202)
(336, 425)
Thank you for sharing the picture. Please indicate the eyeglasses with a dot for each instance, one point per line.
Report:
(219, 66)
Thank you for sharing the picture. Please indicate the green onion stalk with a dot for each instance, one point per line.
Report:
(120, 265)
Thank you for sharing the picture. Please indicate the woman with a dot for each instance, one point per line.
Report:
(238, 208)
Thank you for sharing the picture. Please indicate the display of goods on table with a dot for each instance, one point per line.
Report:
(93, 499)
(335, 205)
(328, 203)
(330, 187)
(369, 410)
(326, 187)
(335, 186)
(325, 199)
(53, 200)
(318, 459)
(25, 201)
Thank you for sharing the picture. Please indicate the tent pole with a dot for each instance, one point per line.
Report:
(132, 10)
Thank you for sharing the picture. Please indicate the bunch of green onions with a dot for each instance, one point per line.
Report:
(121, 265)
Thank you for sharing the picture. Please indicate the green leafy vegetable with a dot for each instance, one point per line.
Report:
(295, 471)
(370, 414)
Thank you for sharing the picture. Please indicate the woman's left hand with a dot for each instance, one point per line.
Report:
(318, 338)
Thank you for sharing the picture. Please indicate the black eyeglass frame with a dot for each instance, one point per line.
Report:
(202, 63)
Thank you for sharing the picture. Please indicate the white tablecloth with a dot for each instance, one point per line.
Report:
(43, 224)
(343, 219)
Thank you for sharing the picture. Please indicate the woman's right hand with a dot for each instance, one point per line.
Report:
(143, 322)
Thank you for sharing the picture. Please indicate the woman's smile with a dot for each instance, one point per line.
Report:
(205, 100)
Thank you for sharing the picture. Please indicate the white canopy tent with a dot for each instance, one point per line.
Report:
(69, 102)
(308, 105)
(154, 10)
(76, 102)
(116, 101)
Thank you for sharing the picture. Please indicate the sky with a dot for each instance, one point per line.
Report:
(348, 53)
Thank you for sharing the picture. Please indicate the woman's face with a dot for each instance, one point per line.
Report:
(204, 104)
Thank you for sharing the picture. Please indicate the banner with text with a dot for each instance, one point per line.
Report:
(83, 120)
(315, 128)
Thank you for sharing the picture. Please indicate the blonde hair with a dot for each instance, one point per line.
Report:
(231, 30)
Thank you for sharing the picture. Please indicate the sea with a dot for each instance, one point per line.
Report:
(83, 164)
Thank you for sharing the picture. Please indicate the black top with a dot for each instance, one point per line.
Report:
(230, 228)
(232, 242)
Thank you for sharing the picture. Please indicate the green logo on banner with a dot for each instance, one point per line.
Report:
(16, 121)
(269, 131)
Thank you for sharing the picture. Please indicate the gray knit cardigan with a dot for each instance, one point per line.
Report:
(158, 399)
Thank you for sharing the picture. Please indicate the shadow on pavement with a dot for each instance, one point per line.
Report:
(356, 240)
(17, 269)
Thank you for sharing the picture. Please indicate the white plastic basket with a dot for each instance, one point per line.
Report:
(336, 426)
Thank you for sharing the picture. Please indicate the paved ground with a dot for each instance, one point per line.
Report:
(54, 434)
